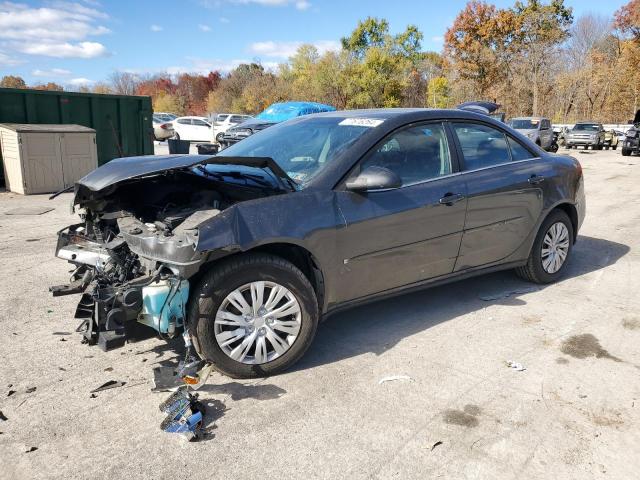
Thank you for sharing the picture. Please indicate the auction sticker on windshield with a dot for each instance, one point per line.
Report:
(361, 122)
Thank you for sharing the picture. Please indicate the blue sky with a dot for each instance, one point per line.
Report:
(82, 42)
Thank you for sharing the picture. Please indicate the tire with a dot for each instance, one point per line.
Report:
(606, 147)
(176, 136)
(625, 152)
(210, 296)
(615, 147)
(219, 137)
(533, 270)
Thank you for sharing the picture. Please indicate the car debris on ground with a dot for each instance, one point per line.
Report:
(518, 367)
(395, 378)
(108, 385)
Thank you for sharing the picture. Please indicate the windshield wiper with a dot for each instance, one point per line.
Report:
(236, 174)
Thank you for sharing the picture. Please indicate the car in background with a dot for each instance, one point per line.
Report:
(165, 116)
(560, 134)
(537, 129)
(162, 128)
(196, 129)
(632, 137)
(224, 121)
(586, 134)
(610, 140)
(276, 113)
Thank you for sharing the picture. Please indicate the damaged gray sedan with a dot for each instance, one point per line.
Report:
(244, 252)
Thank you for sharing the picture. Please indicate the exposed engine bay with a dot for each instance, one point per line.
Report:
(135, 248)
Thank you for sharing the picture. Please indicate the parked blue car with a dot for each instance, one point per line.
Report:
(276, 113)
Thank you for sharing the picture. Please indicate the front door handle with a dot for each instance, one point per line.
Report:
(535, 179)
(451, 198)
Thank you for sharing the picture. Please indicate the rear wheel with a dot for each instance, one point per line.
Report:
(219, 137)
(615, 147)
(626, 152)
(176, 136)
(550, 251)
(253, 316)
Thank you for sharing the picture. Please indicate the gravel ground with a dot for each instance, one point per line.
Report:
(458, 412)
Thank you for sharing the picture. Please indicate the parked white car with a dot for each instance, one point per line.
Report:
(162, 127)
(224, 121)
(196, 129)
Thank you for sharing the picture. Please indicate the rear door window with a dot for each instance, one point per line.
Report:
(184, 121)
(482, 146)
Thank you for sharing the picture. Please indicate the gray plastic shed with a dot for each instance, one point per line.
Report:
(46, 158)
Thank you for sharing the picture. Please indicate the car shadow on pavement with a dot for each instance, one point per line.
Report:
(378, 326)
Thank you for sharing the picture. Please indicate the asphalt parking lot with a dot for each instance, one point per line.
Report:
(454, 410)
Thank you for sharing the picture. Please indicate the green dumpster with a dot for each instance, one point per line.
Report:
(123, 123)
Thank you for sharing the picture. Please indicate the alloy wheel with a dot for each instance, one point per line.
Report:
(555, 247)
(258, 322)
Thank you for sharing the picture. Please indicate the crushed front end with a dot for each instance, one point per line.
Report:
(135, 251)
(117, 285)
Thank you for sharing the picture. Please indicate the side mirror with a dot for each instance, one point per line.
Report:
(374, 178)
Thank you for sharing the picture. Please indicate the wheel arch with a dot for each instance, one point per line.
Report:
(298, 255)
(571, 212)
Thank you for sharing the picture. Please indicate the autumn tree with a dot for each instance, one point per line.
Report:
(542, 28)
(123, 83)
(12, 81)
(51, 86)
(627, 19)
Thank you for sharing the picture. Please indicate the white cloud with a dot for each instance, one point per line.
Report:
(224, 20)
(155, 28)
(8, 61)
(204, 28)
(78, 82)
(299, 4)
(54, 72)
(60, 29)
(63, 50)
(288, 49)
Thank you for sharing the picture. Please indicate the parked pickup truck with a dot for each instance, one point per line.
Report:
(586, 134)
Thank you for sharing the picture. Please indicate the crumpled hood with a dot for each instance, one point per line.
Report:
(126, 168)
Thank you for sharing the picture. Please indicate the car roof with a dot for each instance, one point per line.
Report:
(408, 113)
(587, 122)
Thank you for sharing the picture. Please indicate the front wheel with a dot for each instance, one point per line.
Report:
(626, 152)
(615, 147)
(253, 316)
(550, 251)
(219, 137)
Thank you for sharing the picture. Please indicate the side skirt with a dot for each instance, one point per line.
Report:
(414, 287)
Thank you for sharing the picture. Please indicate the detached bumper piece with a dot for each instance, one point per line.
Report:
(104, 313)
(185, 414)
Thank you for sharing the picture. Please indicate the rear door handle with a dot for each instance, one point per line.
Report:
(535, 179)
(451, 198)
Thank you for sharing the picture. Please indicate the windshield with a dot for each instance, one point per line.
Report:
(304, 148)
(525, 124)
(587, 127)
